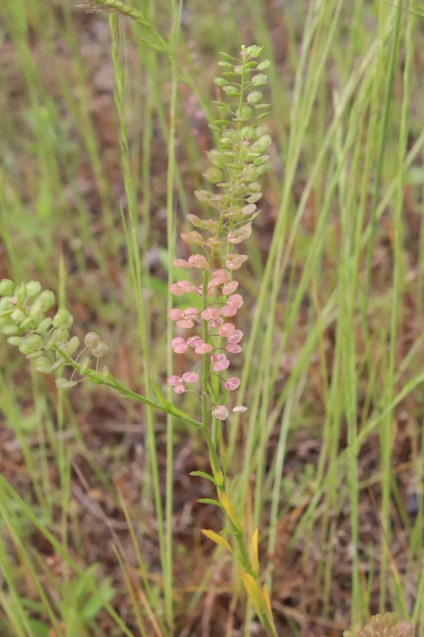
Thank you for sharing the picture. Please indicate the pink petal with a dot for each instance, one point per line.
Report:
(232, 383)
(179, 389)
(190, 377)
(226, 329)
(176, 289)
(239, 409)
(220, 412)
(190, 313)
(221, 276)
(230, 287)
(221, 364)
(175, 380)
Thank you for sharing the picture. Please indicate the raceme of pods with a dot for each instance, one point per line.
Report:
(208, 330)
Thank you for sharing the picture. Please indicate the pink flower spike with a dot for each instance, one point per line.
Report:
(179, 389)
(235, 336)
(239, 409)
(210, 313)
(232, 383)
(232, 348)
(226, 329)
(203, 348)
(179, 345)
(230, 287)
(220, 412)
(190, 377)
(194, 341)
(175, 380)
(185, 323)
(228, 311)
(175, 315)
(236, 300)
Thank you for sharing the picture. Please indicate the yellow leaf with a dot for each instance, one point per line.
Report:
(254, 592)
(228, 508)
(255, 558)
(218, 539)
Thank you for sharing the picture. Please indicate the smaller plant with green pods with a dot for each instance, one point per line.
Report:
(210, 331)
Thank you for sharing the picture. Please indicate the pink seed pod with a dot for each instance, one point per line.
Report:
(232, 383)
(235, 336)
(194, 341)
(203, 348)
(226, 329)
(220, 276)
(175, 380)
(190, 313)
(210, 313)
(232, 348)
(236, 300)
(198, 261)
(220, 412)
(230, 287)
(179, 345)
(228, 311)
(239, 409)
(185, 323)
(179, 389)
(181, 263)
(190, 377)
(219, 362)
(176, 315)
(216, 322)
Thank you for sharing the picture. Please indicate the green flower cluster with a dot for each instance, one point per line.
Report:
(27, 323)
(384, 626)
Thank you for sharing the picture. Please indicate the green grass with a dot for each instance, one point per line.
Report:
(102, 138)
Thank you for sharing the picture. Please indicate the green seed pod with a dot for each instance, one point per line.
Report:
(15, 340)
(248, 132)
(33, 288)
(46, 299)
(263, 65)
(101, 350)
(64, 383)
(10, 329)
(44, 325)
(254, 97)
(254, 51)
(43, 365)
(20, 291)
(262, 144)
(245, 112)
(17, 316)
(220, 81)
(6, 287)
(31, 344)
(259, 80)
(213, 175)
(233, 91)
(91, 340)
(63, 319)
